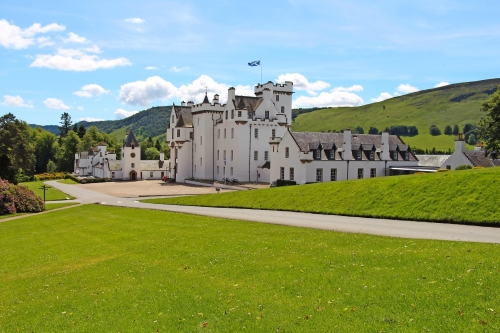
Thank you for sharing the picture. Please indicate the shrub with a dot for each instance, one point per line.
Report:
(463, 167)
(51, 167)
(6, 199)
(434, 130)
(420, 173)
(70, 176)
(50, 175)
(25, 200)
(282, 182)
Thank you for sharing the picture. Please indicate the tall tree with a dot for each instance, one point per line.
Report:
(45, 150)
(448, 130)
(158, 145)
(75, 128)
(66, 152)
(456, 130)
(489, 126)
(65, 124)
(81, 131)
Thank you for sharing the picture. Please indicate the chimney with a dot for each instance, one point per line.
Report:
(347, 155)
(162, 157)
(385, 146)
(459, 144)
(183, 103)
(216, 99)
(231, 94)
(190, 103)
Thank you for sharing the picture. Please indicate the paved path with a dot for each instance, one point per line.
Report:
(394, 228)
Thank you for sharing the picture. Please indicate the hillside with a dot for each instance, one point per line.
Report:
(449, 105)
(466, 196)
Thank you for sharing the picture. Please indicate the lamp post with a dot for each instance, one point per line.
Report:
(44, 188)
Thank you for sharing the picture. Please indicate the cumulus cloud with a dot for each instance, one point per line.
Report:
(15, 101)
(355, 87)
(44, 41)
(406, 88)
(156, 88)
(178, 69)
(300, 82)
(121, 113)
(382, 97)
(79, 60)
(90, 119)
(74, 38)
(54, 103)
(149, 68)
(13, 37)
(90, 90)
(135, 20)
(334, 98)
(442, 84)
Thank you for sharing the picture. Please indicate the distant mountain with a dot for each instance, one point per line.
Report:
(455, 104)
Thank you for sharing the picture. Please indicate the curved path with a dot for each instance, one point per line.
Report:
(384, 227)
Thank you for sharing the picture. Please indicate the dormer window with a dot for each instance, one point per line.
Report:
(372, 155)
(407, 156)
(395, 155)
(317, 154)
(358, 153)
(332, 154)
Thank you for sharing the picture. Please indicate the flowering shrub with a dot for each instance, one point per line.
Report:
(6, 199)
(50, 175)
(94, 180)
(25, 200)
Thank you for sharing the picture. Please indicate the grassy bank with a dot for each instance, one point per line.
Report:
(101, 269)
(468, 196)
(51, 194)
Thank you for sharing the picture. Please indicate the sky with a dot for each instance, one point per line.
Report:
(106, 60)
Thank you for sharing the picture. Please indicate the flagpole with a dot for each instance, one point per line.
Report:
(260, 71)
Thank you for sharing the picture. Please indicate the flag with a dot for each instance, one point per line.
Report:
(254, 63)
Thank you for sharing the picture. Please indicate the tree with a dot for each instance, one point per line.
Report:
(51, 166)
(45, 150)
(434, 130)
(373, 130)
(66, 152)
(489, 126)
(81, 131)
(65, 124)
(75, 128)
(158, 145)
(448, 130)
(359, 130)
(469, 127)
(456, 130)
(152, 154)
(472, 140)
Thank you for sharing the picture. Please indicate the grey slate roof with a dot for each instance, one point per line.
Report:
(184, 116)
(478, 158)
(130, 139)
(432, 160)
(247, 102)
(205, 100)
(115, 165)
(153, 165)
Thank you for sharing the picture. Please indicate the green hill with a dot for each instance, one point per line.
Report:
(455, 104)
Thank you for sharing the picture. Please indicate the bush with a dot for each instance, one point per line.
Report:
(282, 182)
(93, 180)
(434, 130)
(6, 199)
(463, 167)
(70, 176)
(25, 200)
(50, 175)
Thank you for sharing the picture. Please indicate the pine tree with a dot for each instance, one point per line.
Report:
(65, 124)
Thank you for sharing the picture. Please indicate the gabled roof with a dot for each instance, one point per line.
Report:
(184, 116)
(478, 158)
(115, 165)
(432, 160)
(153, 165)
(130, 139)
(247, 102)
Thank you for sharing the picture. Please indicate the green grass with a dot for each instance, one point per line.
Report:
(68, 181)
(468, 196)
(108, 269)
(51, 206)
(421, 109)
(51, 194)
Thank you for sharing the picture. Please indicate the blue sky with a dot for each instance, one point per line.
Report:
(108, 59)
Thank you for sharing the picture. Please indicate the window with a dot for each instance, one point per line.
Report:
(256, 155)
(112, 175)
(224, 171)
(332, 154)
(132, 165)
(333, 175)
(133, 146)
(191, 135)
(273, 133)
(226, 114)
(372, 155)
(239, 113)
(282, 173)
(266, 156)
(277, 98)
(224, 156)
(360, 173)
(266, 114)
(358, 154)
(178, 133)
(282, 109)
(217, 154)
(162, 174)
(217, 169)
(224, 133)
(201, 161)
(172, 133)
(319, 175)
(287, 152)
(132, 155)
(195, 168)
(317, 154)
(232, 155)
(395, 155)
(256, 133)
(232, 114)
(151, 174)
(201, 140)
(231, 171)
(232, 133)
(218, 133)
(373, 173)
(407, 156)
(292, 174)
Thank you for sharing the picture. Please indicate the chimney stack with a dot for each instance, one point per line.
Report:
(162, 156)
(347, 155)
(216, 99)
(385, 146)
(231, 94)
(183, 103)
(460, 144)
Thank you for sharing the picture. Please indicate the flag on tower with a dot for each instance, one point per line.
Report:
(254, 63)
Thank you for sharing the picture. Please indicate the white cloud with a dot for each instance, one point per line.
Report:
(355, 87)
(156, 88)
(178, 69)
(406, 88)
(382, 97)
(15, 101)
(121, 114)
(90, 90)
(80, 108)
(300, 82)
(44, 41)
(54, 103)
(334, 98)
(13, 37)
(135, 20)
(90, 119)
(77, 60)
(149, 68)
(74, 38)
(441, 84)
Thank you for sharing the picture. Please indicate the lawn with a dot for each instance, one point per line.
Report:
(108, 269)
(68, 181)
(467, 196)
(48, 206)
(51, 194)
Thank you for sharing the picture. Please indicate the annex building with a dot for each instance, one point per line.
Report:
(249, 139)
